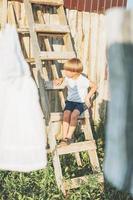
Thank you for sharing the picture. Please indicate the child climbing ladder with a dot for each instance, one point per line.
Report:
(78, 98)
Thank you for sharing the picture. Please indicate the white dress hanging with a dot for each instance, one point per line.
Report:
(22, 130)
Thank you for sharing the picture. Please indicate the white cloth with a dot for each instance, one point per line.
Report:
(77, 88)
(22, 130)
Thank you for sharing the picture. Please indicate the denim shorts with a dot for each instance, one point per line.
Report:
(71, 105)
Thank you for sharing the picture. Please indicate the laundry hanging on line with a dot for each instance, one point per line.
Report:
(118, 163)
(22, 129)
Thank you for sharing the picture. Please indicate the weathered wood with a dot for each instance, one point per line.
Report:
(77, 147)
(94, 160)
(52, 35)
(51, 136)
(78, 159)
(55, 73)
(43, 98)
(87, 127)
(30, 60)
(92, 153)
(44, 41)
(47, 28)
(5, 5)
(61, 95)
(48, 2)
(56, 161)
(56, 55)
(11, 15)
(52, 28)
(67, 37)
(52, 56)
(23, 30)
(68, 47)
(3, 13)
(77, 182)
(44, 2)
(101, 64)
(79, 36)
(97, 27)
(36, 48)
(36, 52)
(17, 12)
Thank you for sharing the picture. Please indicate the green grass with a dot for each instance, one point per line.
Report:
(41, 185)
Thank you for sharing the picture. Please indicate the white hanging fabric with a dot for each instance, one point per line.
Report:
(22, 130)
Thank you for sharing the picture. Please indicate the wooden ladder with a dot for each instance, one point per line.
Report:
(52, 57)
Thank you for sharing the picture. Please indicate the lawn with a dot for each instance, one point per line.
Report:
(41, 185)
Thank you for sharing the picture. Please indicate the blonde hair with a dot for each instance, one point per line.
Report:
(74, 65)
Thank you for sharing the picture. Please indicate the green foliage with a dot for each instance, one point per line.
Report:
(41, 185)
(38, 185)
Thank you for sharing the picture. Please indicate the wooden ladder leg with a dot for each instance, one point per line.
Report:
(78, 159)
(56, 160)
(69, 47)
(89, 136)
(36, 52)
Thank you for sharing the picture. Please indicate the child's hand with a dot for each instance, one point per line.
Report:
(87, 102)
(57, 81)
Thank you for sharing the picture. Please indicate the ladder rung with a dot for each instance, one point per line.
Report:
(77, 147)
(48, 2)
(45, 55)
(58, 116)
(54, 55)
(47, 28)
(76, 182)
(52, 28)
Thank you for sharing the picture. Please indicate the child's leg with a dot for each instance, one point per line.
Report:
(73, 123)
(66, 122)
